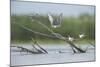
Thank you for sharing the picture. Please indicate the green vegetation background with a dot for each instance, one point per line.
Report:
(71, 25)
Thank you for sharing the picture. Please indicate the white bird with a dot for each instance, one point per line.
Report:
(81, 35)
(70, 38)
(55, 22)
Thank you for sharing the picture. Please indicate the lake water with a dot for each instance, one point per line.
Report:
(53, 55)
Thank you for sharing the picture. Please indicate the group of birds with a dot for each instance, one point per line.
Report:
(56, 22)
(81, 36)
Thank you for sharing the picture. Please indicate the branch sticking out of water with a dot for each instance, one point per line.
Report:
(59, 36)
(36, 43)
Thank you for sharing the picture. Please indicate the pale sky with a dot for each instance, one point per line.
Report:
(23, 7)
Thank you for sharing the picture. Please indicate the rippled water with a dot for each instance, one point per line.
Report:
(56, 54)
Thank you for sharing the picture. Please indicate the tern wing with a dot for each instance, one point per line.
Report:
(50, 18)
(60, 17)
